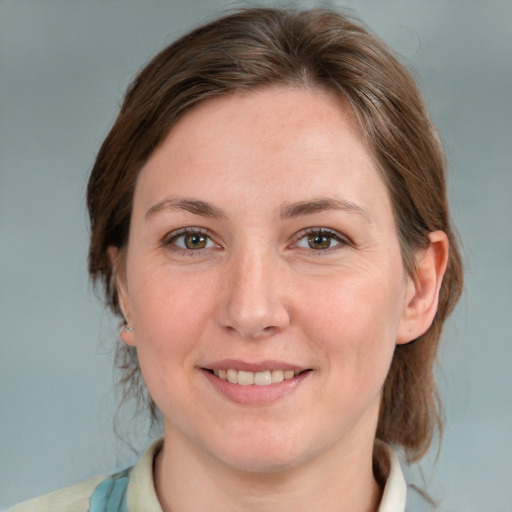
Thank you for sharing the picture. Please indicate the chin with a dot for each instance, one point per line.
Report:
(264, 454)
(261, 464)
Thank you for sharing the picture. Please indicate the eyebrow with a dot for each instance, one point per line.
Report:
(321, 205)
(194, 206)
(288, 211)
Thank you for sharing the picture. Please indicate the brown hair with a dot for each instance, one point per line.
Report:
(254, 48)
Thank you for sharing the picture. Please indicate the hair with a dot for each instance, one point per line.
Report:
(317, 49)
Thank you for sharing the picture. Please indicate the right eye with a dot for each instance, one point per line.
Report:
(190, 239)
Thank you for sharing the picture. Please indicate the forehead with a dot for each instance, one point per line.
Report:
(267, 117)
(285, 140)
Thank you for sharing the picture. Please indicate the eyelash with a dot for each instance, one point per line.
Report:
(169, 241)
(323, 233)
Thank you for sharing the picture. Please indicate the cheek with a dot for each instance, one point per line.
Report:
(169, 313)
(355, 326)
(169, 316)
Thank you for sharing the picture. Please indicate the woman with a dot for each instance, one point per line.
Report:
(269, 220)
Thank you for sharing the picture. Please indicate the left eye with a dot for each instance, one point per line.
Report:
(319, 240)
(193, 241)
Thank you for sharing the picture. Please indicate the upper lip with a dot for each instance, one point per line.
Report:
(262, 366)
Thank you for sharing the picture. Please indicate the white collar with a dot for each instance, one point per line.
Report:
(395, 489)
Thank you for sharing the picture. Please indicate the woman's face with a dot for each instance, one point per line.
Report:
(263, 247)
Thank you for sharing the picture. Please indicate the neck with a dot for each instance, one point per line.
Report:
(187, 480)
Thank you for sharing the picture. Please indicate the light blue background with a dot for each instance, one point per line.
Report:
(63, 68)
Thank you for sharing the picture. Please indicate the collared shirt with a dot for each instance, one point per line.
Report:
(133, 490)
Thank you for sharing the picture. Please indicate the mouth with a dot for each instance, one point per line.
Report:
(261, 378)
(255, 384)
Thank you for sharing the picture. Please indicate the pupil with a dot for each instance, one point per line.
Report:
(319, 242)
(195, 241)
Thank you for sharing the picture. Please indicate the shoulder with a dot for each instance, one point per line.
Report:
(70, 499)
(132, 490)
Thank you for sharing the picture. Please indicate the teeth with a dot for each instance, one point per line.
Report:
(262, 378)
(277, 376)
(245, 378)
(233, 376)
(258, 378)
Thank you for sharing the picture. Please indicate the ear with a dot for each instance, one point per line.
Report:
(422, 294)
(117, 258)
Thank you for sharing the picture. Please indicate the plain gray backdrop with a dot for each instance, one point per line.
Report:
(64, 65)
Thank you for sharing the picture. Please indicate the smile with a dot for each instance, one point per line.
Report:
(247, 378)
(255, 383)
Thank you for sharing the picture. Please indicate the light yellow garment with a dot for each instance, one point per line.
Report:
(141, 495)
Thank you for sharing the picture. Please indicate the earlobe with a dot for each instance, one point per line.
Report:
(117, 260)
(422, 294)
(127, 335)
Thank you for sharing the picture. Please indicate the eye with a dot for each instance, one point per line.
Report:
(320, 239)
(190, 239)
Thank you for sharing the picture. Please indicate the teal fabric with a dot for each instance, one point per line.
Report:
(110, 495)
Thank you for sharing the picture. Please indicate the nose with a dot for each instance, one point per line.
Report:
(254, 296)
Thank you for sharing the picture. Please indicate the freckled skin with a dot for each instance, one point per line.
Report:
(257, 293)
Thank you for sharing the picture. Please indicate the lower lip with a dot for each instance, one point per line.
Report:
(254, 394)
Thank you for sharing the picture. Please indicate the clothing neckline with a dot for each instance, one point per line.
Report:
(141, 494)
